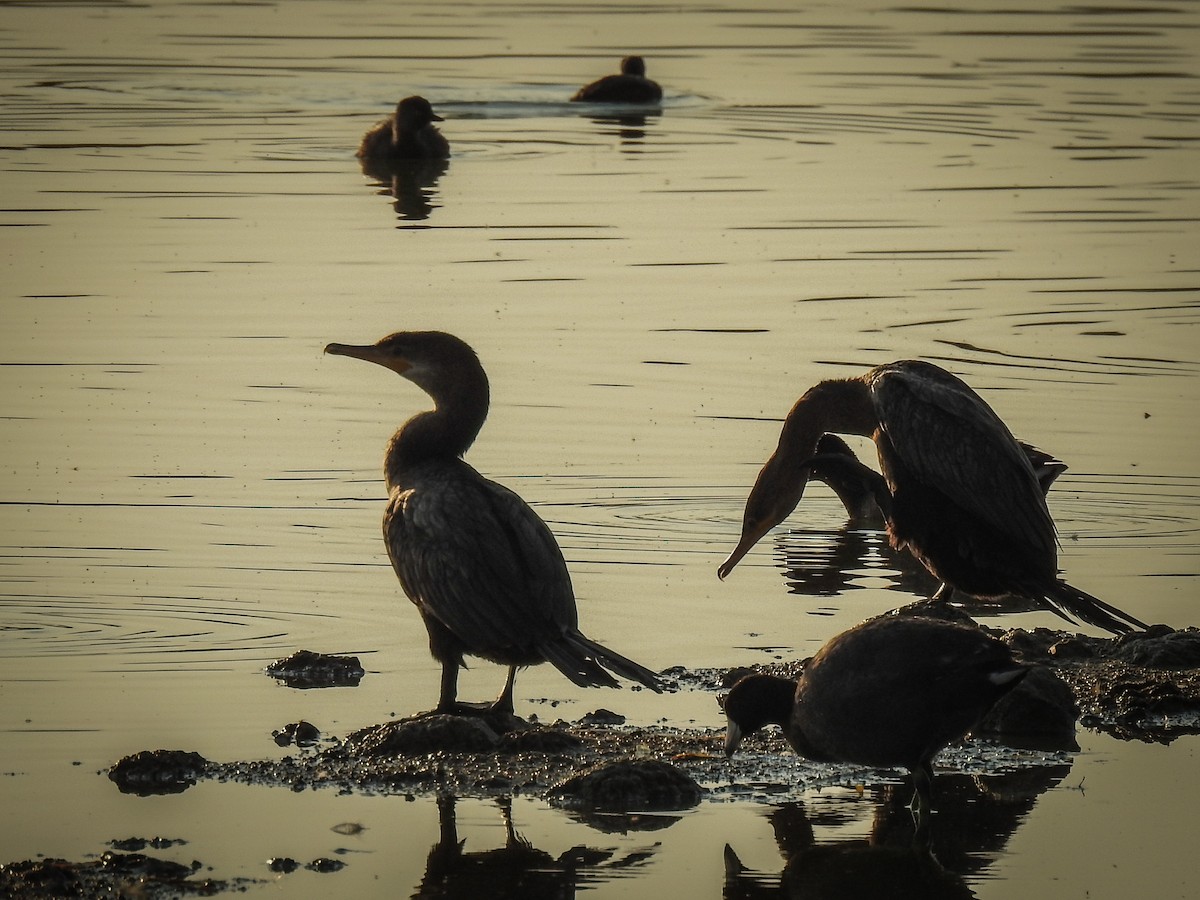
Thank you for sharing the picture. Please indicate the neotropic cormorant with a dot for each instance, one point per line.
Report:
(409, 133)
(964, 497)
(482, 568)
(892, 691)
(631, 86)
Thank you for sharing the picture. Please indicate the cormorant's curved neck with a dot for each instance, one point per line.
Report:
(442, 433)
(842, 407)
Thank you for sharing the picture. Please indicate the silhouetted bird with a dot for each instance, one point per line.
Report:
(631, 86)
(483, 569)
(962, 495)
(409, 133)
(893, 691)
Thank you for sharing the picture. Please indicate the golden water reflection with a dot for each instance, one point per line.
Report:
(189, 492)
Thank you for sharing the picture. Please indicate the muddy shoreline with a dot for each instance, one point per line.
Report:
(616, 777)
(1143, 686)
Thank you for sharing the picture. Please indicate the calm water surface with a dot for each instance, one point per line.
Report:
(189, 490)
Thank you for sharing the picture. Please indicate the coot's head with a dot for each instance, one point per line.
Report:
(754, 703)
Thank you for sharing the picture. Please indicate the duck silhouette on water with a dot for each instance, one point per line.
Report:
(482, 568)
(631, 86)
(409, 133)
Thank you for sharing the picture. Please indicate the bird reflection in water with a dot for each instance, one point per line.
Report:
(412, 182)
(630, 129)
(976, 817)
(516, 870)
(831, 564)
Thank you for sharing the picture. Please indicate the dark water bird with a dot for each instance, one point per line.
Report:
(483, 569)
(855, 490)
(893, 691)
(857, 486)
(409, 133)
(631, 86)
(963, 497)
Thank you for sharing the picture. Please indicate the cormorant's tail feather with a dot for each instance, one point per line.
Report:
(582, 670)
(584, 662)
(1084, 607)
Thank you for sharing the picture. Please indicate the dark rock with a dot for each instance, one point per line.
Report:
(306, 669)
(1159, 647)
(425, 734)
(1040, 713)
(112, 875)
(302, 734)
(645, 784)
(1026, 644)
(602, 717)
(144, 866)
(1137, 702)
(1073, 647)
(540, 740)
(157, 772)
(136, 843)
(282, 864)
(939, 610)
(324, 865)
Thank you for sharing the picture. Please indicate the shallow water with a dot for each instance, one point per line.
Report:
(190, 490)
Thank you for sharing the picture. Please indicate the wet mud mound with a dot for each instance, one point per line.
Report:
(112, 875)
(1143, 686)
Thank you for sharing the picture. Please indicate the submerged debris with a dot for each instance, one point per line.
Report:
(137, 843)
(307, 669)
(602, 717)
(112, 875)
(325, 865)
(302, 734)
(158, 772)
